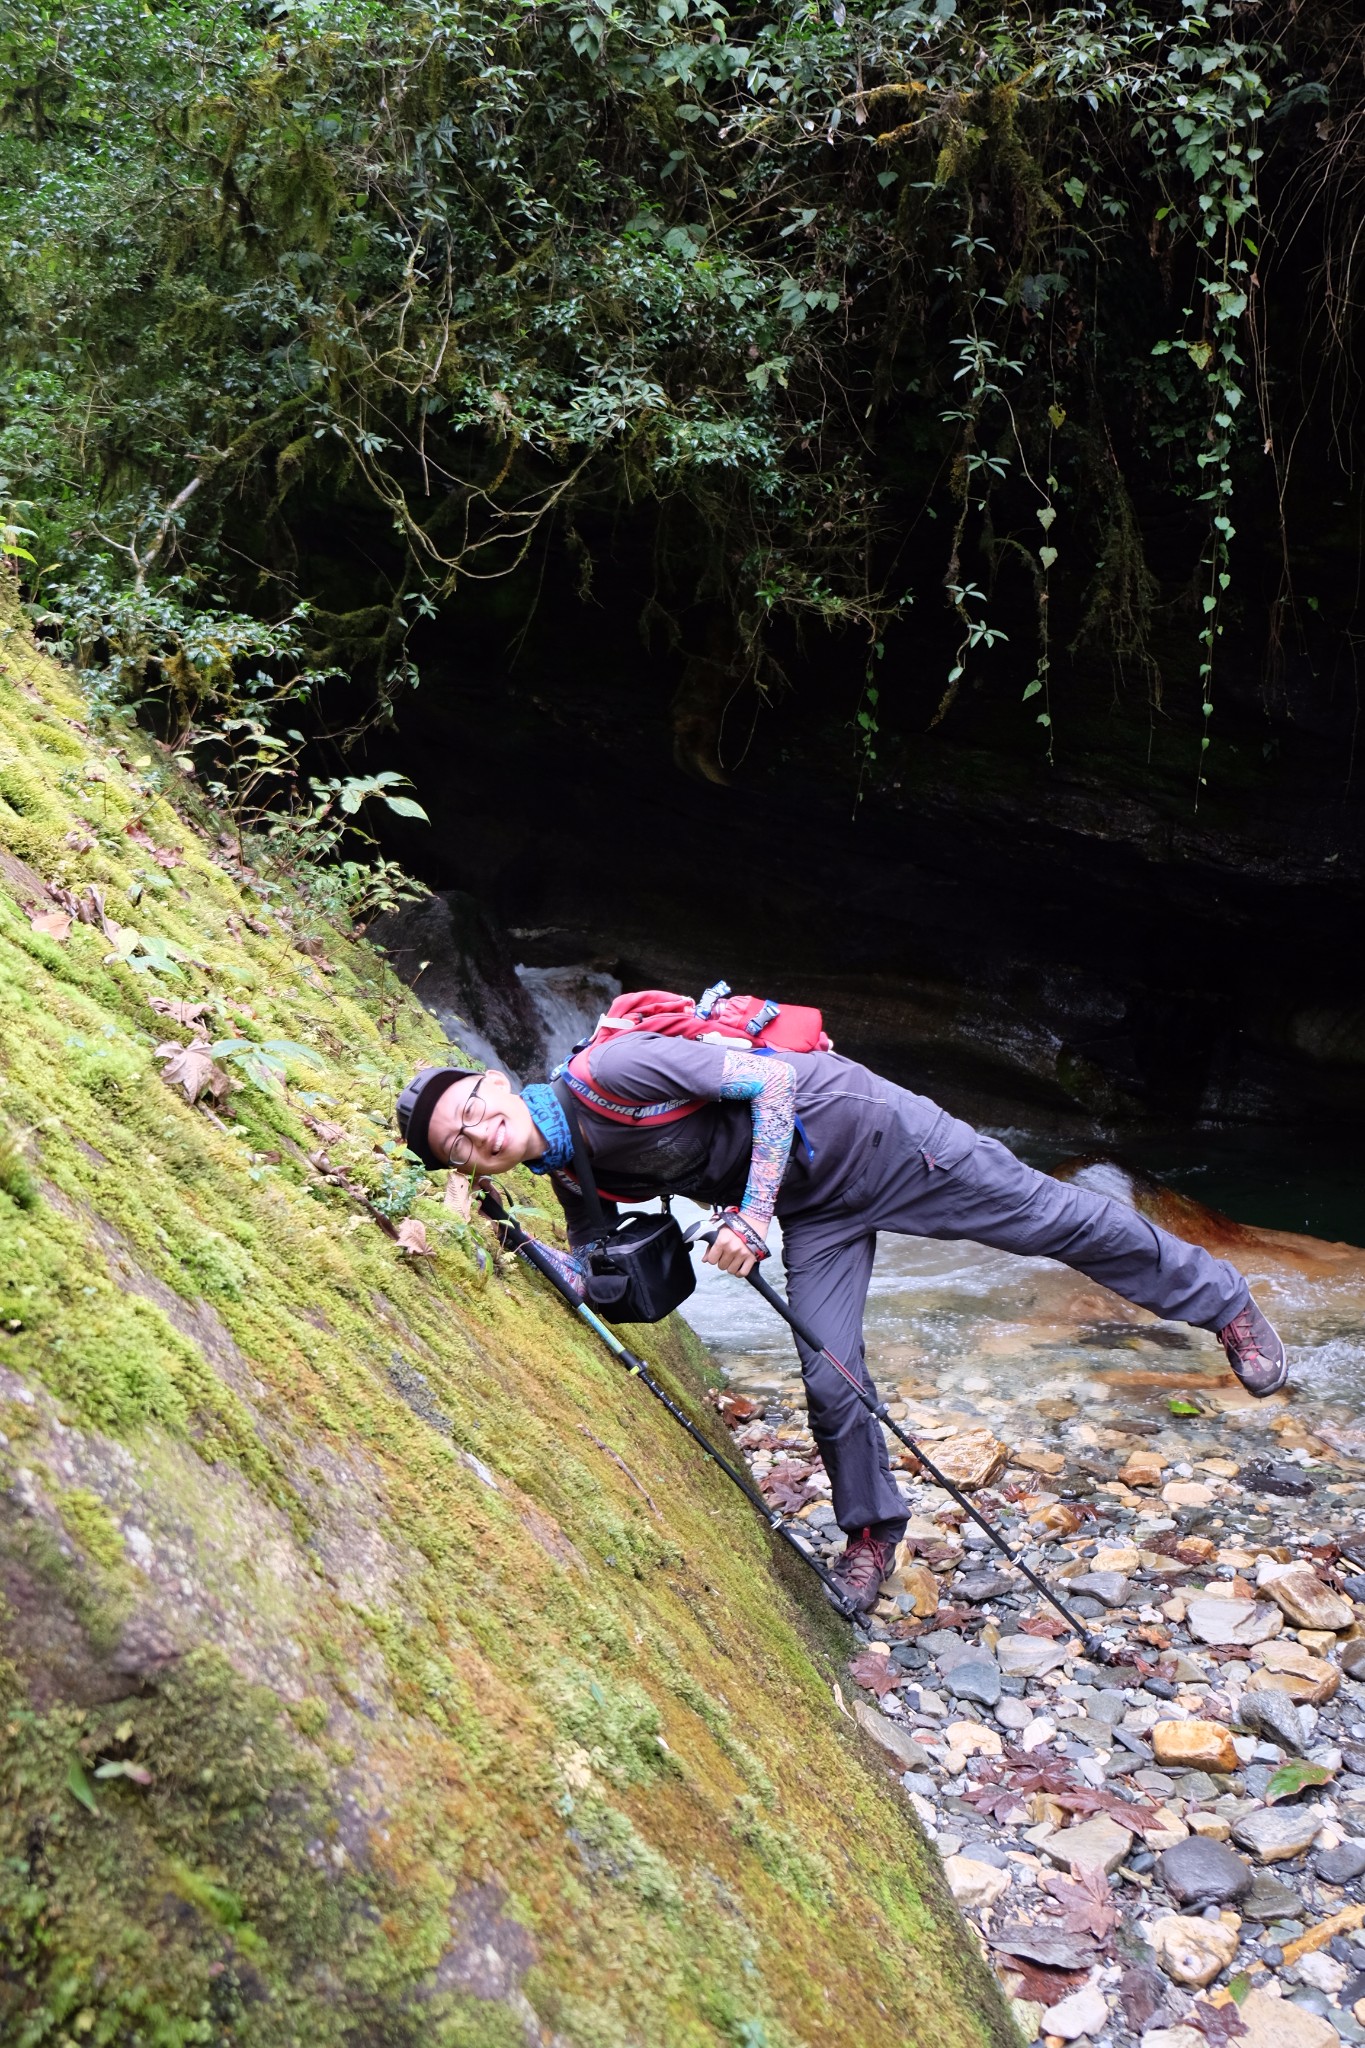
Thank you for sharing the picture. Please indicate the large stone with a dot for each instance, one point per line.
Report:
(1341, 1865)
(1115, 1557)
(1174, 2037)
(1097, 1844)
(1198, 1872)
(1085, 2012)
(1111, 1589)
(1278, 2023)
(1193, 1951)
(1352, 1656)
(974, 1678)
(1274, 1834)
(971, 1459)
(916, 1583)
(974, 1884)
(1144, 1468)
(1054, 1947)
(1188, 1493)
(981, 1586)
(893, 1741)
(1298, 1590)
(1212, 1620)
(1310, 1687)
(1028, 1656)
(1268, 1711)
(1194, 1745)
(1269, 1899)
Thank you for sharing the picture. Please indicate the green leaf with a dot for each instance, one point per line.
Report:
(1031, 690)
(1057, 415)
(1238, 1987)
(1293, 1777)
(1179, 1407)
(407, 807)
(78, 1785)
(1045, 516)
(1047, 556)
(286, 1048)
(1044, 718)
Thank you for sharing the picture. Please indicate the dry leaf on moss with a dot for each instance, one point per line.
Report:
(187, 1066)
(179, 1012)
(457, 1195)
(321, 1127)
(412, 1239)
(53, 924)
(164, 856)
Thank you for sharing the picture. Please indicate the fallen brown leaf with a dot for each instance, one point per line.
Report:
(53, 924)
(876, 1674)
(321, 1127)
(1086, 1900)
(187, 1066)
(178, 1011)
(412, 1239)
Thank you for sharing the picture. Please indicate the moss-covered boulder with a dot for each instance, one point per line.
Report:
(379, 1664)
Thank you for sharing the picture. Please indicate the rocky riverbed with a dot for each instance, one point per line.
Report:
(1159, 1836)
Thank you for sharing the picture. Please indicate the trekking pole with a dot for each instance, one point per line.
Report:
(877, 1407)
(515, 1239)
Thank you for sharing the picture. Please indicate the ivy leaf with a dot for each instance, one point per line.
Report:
(1031, 690)
(1294, 1777)
(1047, 556)
(1047, 513)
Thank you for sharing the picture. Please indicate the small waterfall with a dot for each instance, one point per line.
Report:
(568, 1002)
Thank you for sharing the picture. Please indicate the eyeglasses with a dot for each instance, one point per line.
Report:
(462, 1144)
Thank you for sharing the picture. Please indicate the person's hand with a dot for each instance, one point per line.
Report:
(731, 1254)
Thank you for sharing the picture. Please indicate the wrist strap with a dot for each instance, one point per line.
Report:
(738, 1222)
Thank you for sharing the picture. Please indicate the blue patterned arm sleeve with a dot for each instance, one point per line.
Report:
(569, 1267)
(769, 1087)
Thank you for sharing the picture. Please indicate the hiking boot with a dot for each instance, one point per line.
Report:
(859, 1572)
(1255, 1352)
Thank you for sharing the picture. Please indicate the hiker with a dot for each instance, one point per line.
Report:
(837, 1154)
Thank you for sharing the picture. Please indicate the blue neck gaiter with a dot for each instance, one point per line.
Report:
(550, 1120)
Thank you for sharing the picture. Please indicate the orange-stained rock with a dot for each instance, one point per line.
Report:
(1301, 1595)
(1307, 1688)
(971, 1459)
(1194, 1745)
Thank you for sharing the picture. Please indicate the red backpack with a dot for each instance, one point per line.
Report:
(752, 1022)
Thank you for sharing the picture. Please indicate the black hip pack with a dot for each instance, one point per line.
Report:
(641, 1270)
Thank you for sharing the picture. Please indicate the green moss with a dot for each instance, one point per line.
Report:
(422, 1641)
(89, 1522)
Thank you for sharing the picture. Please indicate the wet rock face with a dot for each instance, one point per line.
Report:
(453, 956)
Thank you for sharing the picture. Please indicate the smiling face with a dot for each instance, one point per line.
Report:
(485, 1119)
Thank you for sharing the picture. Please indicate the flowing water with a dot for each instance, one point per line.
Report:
(984, 1333)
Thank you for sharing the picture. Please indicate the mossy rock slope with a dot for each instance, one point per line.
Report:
(380, 1665)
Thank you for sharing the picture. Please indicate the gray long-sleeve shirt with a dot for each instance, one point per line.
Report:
(843, 1111)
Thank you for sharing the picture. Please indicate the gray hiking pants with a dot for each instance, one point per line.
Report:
(949, 1182)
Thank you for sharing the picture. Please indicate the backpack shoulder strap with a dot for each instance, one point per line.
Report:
(582, 1165)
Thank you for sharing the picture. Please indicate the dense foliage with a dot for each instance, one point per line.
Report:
(317, 314)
